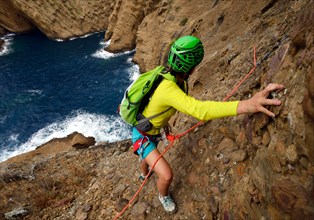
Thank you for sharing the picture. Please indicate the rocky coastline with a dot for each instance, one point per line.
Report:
(246, 167)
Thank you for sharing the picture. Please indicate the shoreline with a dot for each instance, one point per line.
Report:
(55, 146)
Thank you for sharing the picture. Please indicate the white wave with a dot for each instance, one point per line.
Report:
(14, 137)
(101, 127)
(134, 72)
(9, 35)
(83, 36)
(103, 54)
(105, 43)
(73, 38)
(6, 47)
(34, 91)
(130, 60)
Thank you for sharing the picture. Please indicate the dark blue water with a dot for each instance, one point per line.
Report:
(50, 89)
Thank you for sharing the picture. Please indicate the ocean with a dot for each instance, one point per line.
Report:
(51, 88)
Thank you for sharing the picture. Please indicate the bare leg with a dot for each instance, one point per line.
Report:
(144, 167)
(163, 171)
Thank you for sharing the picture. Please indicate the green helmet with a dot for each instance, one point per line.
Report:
(185, 53)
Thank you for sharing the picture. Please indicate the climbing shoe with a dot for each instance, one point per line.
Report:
(167, 203)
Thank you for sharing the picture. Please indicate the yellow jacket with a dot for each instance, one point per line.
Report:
(168, 94)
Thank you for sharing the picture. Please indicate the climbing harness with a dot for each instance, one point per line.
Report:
(140, 145)
(172, 138)
(143, 141)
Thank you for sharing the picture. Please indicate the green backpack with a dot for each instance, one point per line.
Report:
(136, 97)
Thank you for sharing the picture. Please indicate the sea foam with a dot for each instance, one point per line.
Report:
(101, 127)
(6, 48)
(103, 54)
(74, 38)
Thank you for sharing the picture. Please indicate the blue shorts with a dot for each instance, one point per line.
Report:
(146, 143)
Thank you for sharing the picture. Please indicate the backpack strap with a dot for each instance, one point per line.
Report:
(153, 116)
(165, 75)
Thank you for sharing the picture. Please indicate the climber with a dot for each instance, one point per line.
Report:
(184, 55)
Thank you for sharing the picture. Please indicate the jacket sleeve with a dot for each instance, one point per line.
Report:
(202, 110)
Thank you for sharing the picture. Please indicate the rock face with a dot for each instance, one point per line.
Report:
(170, 20)
(124, 22)
(55, 146)
(12, 19)
(57, 19)
(1, 44)
(245, 167)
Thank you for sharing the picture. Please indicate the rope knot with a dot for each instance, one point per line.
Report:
(171, 137)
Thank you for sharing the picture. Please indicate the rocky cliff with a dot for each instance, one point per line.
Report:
(247, 167)
(62, 19)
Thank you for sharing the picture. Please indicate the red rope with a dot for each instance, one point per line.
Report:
(172, 138)
(242, 81)
(143, 183)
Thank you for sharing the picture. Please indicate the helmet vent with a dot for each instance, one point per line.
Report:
(186, 53)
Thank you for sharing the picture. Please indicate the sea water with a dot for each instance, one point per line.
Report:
(51, 88)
